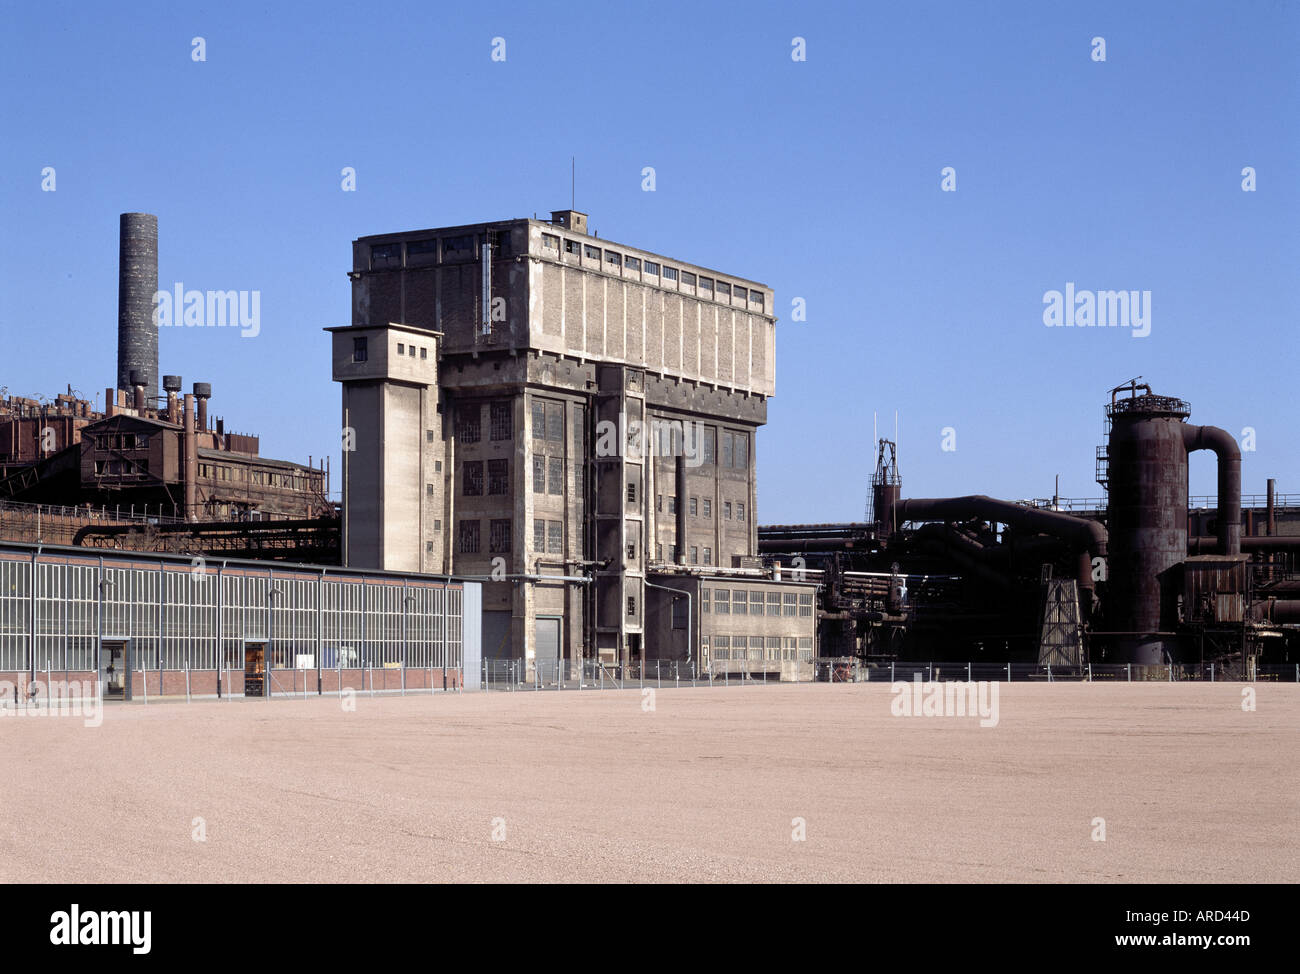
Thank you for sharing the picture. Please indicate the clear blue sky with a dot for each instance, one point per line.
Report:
(820, 178)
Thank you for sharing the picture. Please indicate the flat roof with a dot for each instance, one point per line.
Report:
(553, 227)
(187, 561)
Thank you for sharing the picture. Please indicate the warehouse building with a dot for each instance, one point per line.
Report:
(136, 625)
(570, 418)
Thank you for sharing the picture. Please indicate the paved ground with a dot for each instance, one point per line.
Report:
(703, 788)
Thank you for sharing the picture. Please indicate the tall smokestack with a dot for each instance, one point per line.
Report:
(137, 282)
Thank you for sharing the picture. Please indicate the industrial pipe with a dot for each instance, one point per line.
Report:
(202, 392)
(1282, 612)
(1208, 545)
(191, 461)
(1088, 537)
(680, 487)
(1229, 455)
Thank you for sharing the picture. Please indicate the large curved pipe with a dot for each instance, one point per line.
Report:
(1229, 456)
(1088, 537)
(1077, 530)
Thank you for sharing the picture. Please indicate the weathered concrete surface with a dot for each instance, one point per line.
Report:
(704, 788)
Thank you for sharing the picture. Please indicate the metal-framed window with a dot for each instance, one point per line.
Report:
(499, 535)
(500, 421)
(469, 537)
(473, 478)
(469, 425)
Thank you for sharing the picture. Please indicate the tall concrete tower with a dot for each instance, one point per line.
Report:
(393, 448)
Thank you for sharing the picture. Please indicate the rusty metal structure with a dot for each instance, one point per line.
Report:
(983, 576)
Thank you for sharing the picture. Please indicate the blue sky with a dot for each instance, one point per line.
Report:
(820, 178)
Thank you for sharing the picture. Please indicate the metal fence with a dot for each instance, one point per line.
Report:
(551, 674)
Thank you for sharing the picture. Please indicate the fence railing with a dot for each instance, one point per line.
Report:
(551, 674)
(1194, 502)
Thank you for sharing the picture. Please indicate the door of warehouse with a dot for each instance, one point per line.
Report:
(255, 684)
(547, 654)
(115, 657)
(496, 635)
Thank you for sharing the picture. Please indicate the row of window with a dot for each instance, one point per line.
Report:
(757, 647)
(361, 350)
(739, 602)
(469, 422)
(735, 446)
(469, 538)
(694, 555)
(409, 350)
(458, 247)
(498, 477)
(259, 478)
(615, 262)
(703, 507)
(122, 468)
(122, 441)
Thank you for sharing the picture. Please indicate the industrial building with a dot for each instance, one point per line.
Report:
(138, 625)
(572, 419)
(150, 471)
(571, 423)
(1139, 577)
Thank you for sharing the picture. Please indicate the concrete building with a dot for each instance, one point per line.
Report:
(567, 416)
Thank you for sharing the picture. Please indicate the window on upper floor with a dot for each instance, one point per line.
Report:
(500, 427)
(458, 246)
(469, 423)
(468, 538)
(498, 476)
(473, 478)
(499, 535)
